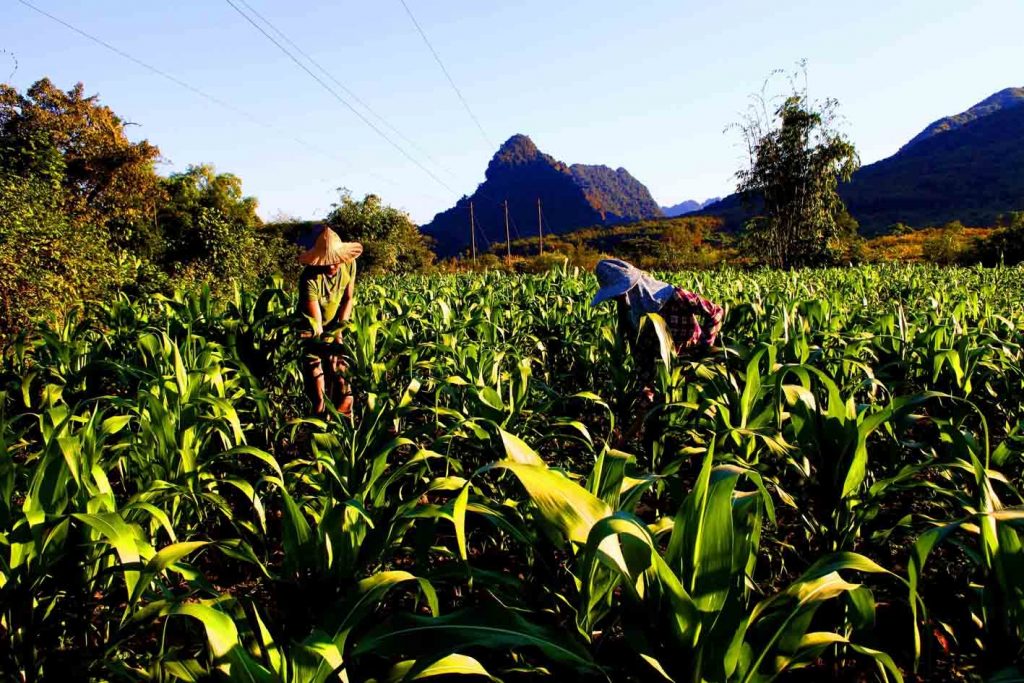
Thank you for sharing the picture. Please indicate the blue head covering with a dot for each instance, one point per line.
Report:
(643, 293)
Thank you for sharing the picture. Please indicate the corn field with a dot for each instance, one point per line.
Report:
(831, 494)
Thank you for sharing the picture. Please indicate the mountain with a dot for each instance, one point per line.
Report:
(968, 167)
(971, 173)
(1004, 99)
(689, 206)
(570, 196)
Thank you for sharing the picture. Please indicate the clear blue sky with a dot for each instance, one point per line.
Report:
(645, 85)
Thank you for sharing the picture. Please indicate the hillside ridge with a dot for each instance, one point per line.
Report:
(570, 197)
(970, 169)
(1004, 99)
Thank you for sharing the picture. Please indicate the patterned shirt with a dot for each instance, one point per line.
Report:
(692, 321)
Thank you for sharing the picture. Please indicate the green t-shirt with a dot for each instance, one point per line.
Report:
(328, 291)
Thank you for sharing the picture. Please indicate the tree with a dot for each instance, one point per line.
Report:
(391, 241)
(1005, 246)
(107, 179)
(69, 181)
(83, 212)
(197, 201)
(796, 161)
(212, 231)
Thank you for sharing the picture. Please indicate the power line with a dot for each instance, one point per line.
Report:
(482, 195)
(139, 62)
(515, 228)
(447, 75)
(483, 233)
(177, 81)
(477, 225)
(545, 220)
(342, 86)
(340, 99)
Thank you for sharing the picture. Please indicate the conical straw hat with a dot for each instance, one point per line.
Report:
(329, 250)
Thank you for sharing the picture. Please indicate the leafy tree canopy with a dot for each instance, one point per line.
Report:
(212, 230)
(69, 138)
(391, 241)
(196, 198)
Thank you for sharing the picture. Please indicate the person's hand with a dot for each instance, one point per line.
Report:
(647, 395)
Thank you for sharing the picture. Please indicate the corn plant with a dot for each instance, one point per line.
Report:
(798, 504)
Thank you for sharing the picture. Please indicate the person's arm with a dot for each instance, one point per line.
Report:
(311, 307)
(349, 300)
(713, 315)
(638, 345)
(625, 325)
(642, 345)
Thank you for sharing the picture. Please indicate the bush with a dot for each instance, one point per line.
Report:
(214, 236)
(945, 248)
(47, 264)
(542, 263)
(391, 241)
(1005, 246)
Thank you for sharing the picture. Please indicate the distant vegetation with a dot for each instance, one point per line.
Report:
(702, 242)
(84, 213)
(659, 244)
(950, 244)
(967, 167)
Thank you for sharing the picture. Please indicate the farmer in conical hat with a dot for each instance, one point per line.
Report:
(692, 321)
(326, 297)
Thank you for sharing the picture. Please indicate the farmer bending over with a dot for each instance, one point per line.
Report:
(326, 297)
(692, 321)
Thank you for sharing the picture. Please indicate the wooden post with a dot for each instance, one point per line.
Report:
(540, 227)
(508, 239)
(472, 230)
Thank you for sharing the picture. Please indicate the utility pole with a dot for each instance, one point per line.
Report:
(540, 227)
(508, 240)
(472, 230)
